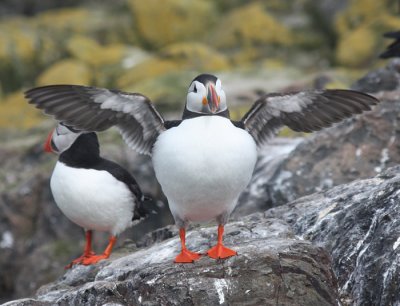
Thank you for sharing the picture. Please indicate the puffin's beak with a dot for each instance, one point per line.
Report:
(47, 144)
(212, 98)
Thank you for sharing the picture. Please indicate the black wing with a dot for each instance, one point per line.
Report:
(97, 109)
(124, 176)
(305, 111)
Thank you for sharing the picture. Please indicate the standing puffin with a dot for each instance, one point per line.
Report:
(93, 192)
(205, 160)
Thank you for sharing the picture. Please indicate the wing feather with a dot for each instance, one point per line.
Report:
(97, 109)
(305, 111)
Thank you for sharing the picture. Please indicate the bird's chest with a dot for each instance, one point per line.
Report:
(204, 157)
(88, 197)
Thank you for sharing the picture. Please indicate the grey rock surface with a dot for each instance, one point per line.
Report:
(36, 239)
(273, 268)
(359, 147)
(359, 225)
(256, 197)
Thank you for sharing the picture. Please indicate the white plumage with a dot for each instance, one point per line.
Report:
(93, 199)
(203, 165)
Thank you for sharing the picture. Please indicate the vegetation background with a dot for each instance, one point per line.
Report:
(155, 48)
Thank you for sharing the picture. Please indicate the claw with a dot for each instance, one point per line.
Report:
(94, 259)
(80, 260)
(185, 256)
(219, 250)
(86, 253)
(89, 257)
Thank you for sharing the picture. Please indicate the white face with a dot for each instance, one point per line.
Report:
(63, 138)
(206, 99)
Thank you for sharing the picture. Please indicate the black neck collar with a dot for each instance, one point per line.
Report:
(187, 114)
(84, 152)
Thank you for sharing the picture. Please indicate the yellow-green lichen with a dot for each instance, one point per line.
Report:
(360, 28)
(68, 71)
(15, 112)
(250, 26)
(159, 24)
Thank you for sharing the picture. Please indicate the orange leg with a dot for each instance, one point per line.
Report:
(219, 250)
(185, 256)
(87, 252)
(107, 252)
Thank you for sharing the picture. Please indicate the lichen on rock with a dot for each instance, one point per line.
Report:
(68, 71)
(154, 21)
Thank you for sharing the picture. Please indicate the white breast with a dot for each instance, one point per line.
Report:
(92, 199)
(203, 165)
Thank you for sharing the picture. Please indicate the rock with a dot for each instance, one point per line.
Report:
(36, 239)
(149, 69)
(9, 7)
(358, 224)
(356, 148)
(68, 71)
(153, 22)
(242, 37)
(272, 268)
(30, 224)
(30, 45)
(195, 56)
(16, 113)
(256, 197)
(106, 62)
(173, 58)
(360, 41)
(91, 52)
(383, 79)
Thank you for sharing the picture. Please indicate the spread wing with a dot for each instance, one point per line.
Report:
(97, 109)
(305, 111)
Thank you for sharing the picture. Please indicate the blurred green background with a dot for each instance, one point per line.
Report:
(157, 47)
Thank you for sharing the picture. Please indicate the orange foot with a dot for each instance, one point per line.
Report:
(220, 251)
(94, 259)
(80, 260)
(186, 256)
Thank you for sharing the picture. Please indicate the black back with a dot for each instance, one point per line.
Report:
(84, 153)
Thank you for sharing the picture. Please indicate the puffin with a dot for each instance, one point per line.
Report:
(204, 160)
(93, 192)
(393, 49)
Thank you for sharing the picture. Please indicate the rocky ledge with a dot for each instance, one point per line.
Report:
(359, 225)
(285, 258)
(273, 268)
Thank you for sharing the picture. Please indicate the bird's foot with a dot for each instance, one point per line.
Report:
(80, 260)
(220, 251)
(94, 259)
(186, 256)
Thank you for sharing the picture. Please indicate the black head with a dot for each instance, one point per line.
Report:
(206, 96)
(61, 138)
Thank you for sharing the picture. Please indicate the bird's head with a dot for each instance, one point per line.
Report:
(61, 139)
(206, 96)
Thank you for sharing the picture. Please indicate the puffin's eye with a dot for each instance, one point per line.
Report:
(194, 88)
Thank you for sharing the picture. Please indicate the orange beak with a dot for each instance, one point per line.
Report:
(47, 144)
(212, 98)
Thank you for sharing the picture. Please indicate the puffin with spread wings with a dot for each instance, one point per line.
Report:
(205, 160)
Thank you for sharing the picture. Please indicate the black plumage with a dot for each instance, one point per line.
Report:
(84, 153)
(393, 50)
